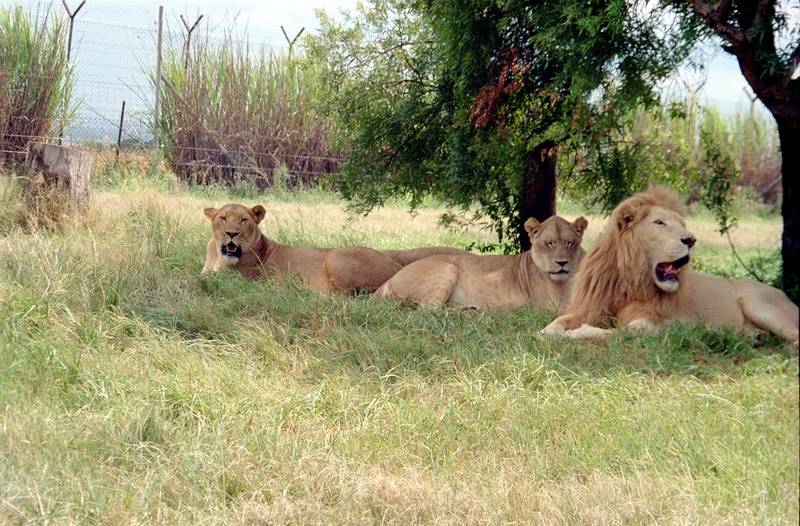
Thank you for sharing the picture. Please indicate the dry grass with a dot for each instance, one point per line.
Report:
(392, 226)
(291, 220)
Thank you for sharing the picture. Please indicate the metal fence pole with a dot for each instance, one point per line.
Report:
(119, 135)
(72, 15)
(157, 111)
(189, 39)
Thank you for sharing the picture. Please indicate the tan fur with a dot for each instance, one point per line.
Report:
(327, 270)
(539, 276)
(408, 256)
(618, 280)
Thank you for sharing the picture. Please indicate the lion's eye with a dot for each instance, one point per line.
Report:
(244, 220)
(569, 243)
(659, 222)
(549, 244)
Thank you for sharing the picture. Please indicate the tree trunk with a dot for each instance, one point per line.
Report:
(59, 169)
(789, 134)
(538, 196)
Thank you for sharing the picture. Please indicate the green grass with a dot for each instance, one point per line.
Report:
(133, 389)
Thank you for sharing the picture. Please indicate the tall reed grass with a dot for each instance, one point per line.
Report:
(755, 144)
(233, 112)
(36, 82)
(685, 145)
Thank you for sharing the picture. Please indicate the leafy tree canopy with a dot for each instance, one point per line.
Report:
(452, 99)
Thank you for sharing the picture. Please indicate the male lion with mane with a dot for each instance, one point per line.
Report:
(636, 274)
(539, 276)
(237, 242)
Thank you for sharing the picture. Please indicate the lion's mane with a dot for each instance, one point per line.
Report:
(614, 281)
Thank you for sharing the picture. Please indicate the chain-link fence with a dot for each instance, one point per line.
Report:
(114, 50)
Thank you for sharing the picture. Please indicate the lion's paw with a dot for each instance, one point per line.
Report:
(553, 329)
(587, 331)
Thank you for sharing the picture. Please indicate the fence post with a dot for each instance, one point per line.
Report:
(119, 135)
(157, 111)
(189, 39)
(72, 15)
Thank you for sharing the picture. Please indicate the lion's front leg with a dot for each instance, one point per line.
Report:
(212, 263)
(586, 331)
(644, 325)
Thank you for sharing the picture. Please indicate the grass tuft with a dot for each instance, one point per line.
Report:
(243, 115)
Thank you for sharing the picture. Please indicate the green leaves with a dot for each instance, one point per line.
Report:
(447, 98)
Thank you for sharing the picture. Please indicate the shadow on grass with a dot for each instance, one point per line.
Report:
(363, 334)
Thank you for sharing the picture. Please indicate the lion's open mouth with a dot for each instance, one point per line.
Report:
(231, 250)
(670, 271)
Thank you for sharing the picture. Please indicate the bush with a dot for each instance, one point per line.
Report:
(685, 146)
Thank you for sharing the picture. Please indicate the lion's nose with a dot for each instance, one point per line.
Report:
(232, 234)
(689, 241)
(562, 263)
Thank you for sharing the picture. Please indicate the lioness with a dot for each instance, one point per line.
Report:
(237, 242)
(636, 274)
(539, 276)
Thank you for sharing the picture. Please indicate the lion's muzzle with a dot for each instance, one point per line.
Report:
(560, 275)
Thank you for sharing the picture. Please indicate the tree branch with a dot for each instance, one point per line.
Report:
(721, 11)
(717, 19)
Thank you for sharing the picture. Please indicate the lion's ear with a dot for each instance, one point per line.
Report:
(580, 225)
(531, 226)
(626, 216)
(258, 212)
(210, 212)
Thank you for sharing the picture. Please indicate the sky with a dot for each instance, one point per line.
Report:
(722, 84)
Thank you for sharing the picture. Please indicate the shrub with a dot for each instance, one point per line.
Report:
(683, 145)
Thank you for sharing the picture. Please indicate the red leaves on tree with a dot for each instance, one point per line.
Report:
(487, 102)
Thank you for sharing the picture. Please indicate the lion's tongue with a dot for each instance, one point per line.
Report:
(667, 271)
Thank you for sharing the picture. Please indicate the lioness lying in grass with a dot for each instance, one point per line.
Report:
(540, 276)
(237, 242)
